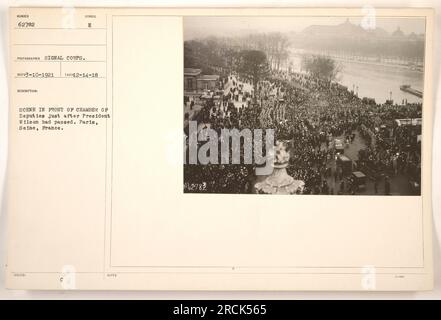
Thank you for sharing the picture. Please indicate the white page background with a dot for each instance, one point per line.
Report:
(435, 294)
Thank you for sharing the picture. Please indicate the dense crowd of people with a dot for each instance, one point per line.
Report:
(311, 114)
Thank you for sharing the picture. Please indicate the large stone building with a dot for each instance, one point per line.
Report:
(195, 81)
(190, 78)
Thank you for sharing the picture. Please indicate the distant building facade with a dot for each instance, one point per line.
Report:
(195, 81)
(190, 78)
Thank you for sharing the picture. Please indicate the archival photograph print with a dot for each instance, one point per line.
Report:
(303, 105)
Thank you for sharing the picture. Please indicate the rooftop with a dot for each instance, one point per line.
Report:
(192, 71)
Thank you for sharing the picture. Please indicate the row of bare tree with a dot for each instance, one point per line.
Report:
(275, 46)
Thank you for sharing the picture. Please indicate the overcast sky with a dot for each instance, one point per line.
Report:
(200, 27)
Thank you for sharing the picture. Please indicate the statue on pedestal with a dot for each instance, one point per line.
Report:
(279, 182)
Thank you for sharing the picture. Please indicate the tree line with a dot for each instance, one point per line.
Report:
(226, 51)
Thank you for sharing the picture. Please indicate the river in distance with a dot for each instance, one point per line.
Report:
(377, 81)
